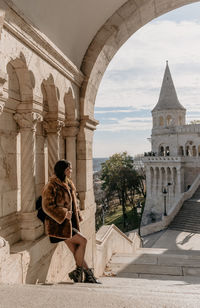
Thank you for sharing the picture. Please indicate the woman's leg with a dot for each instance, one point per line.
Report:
(77, 245)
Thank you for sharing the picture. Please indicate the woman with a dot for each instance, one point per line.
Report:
(62, 223)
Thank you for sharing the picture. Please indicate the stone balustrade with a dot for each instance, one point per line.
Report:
(110, 240)
(162, 159)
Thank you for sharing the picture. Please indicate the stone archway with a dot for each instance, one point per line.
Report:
(130, 17)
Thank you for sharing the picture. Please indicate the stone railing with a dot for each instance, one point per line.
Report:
(188, 128)
(150, 159)
(163, 224)
(110, 240)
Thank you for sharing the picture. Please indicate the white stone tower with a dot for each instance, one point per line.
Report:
(174, 161)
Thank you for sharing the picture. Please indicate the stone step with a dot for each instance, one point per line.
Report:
(189, 217)
(189, 230)
(186, 222)
(180, 224)
(185, 229)
(191, 202)
(149, 261)
(190, 208)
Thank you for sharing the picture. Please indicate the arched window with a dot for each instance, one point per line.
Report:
(167, 151)
(161, 121)
(194, 151)
(169, 120)
(199, 150)
(162, 151)
(180, 120)
(181, 151)
(187, 150)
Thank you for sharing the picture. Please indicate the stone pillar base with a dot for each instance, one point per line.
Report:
(31, 227)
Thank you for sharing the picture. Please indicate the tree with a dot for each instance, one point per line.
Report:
(120, 179)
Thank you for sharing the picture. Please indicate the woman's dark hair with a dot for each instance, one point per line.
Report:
(59, 168)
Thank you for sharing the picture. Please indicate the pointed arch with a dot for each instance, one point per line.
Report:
(50, 95)
(25, 77)
(113, 34)
(70, 105)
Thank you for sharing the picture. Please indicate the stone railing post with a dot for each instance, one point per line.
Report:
(30, 226)
(70, 132)
(53, 130)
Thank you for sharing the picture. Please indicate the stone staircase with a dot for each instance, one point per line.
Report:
(112, 293)
(165, 260)
(155, 263)
(188, 218)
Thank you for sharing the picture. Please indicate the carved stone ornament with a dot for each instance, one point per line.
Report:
(28, 120)
(53, 126)
(2, 104)
(3, 79)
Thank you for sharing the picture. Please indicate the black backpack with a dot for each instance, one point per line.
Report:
(40, 214)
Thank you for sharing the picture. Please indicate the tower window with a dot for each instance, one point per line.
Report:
(169, 120)
(161, 121)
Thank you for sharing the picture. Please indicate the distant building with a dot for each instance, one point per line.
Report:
(174, 161)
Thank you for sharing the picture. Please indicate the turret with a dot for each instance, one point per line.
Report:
(168, 111)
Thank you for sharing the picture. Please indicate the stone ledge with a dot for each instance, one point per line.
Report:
(42, 261)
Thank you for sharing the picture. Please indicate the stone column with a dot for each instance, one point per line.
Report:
(84, 162)
(70, 132)
(148, 182)
(85, 184)
(180, 180)
(30, 226)
(53, 129)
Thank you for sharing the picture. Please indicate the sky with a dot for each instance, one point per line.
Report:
(131, 84)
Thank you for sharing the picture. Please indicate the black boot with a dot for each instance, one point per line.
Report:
(89, 276)
(77, 274)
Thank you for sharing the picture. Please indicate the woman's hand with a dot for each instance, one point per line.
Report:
(68, 215)
(80, 216)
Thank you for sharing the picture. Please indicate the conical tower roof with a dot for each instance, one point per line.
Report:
(168, 98)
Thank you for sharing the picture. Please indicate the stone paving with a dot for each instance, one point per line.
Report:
(114, 292)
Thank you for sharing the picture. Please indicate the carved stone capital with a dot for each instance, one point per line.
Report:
(89, 123)
(53, 126)
(28, 120)
(71, 128)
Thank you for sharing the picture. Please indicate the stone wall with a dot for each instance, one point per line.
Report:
(40, 122)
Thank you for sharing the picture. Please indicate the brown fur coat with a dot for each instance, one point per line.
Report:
(57, 198)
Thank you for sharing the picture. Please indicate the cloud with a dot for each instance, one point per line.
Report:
(131, 84)
(113, 111)
(134, 76)
(127, 124)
